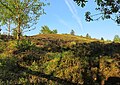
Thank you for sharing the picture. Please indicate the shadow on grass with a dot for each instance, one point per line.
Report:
(113, 81)
(12, 71)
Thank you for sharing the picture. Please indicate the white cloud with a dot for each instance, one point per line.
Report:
(74, 12)
(64, 23)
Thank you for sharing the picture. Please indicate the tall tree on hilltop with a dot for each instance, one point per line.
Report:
(116, 38)
(72, 32)
(46, 30)
(88, 36)
(22, 13)
(54, 31)
(102, 38)
(108, 9)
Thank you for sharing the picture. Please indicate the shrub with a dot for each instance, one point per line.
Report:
(2, 46)
(24, 45)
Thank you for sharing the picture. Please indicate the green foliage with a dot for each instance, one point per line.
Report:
(102, 38)
(72, 32)
(23, 14)
(88, 36)
(46, 30)
(54, 31)
(2, 46)
(7, 71)
(14, 33)
(57, 60)
(107, 10)
(34, 66)
(109, 66)
(116, 38)
(63, 65)
(23, 81)
(0, 30)
(24, 45)
(81, 2)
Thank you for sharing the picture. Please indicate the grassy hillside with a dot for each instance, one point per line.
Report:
(65, 37)
(59, 59)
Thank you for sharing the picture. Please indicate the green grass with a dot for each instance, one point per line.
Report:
(57, 59)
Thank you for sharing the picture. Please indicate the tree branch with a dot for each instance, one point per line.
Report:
(6, 7)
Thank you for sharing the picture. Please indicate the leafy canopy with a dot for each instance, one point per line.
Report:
(109, 9)
(72, 32)
(46, 30)
(28, 10)
(116, 38)
(22, 13)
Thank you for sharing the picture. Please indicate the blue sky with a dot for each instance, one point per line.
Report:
(65, 15)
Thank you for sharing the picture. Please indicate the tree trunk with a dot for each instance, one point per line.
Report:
(18, 22)
(18, 28)
(8, 27)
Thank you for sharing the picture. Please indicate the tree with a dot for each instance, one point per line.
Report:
(46, 30)
(102, 38)
(116, 38)
(88, 36)
(22, 13)
(14, 33)
(5, 19)
(109, 9)
(0, 30)
(54, 31)
(72, 32)
(8, 24)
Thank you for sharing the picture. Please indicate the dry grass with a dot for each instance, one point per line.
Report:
(64, 37)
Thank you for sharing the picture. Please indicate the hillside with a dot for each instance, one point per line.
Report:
(59, 59)
(65, 37)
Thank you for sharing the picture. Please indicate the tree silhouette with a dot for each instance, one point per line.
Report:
(72, 32)
(109, 9)
(116, 38)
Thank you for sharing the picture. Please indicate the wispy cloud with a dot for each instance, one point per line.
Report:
(74, 12)
(64, 23)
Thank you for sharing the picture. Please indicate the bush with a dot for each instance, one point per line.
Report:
(2, 46)
(24, 45)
